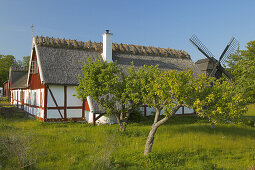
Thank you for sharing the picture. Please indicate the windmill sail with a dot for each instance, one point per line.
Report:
(201, 47)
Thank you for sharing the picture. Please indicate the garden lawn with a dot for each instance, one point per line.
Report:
(183, 142)
(251, 110)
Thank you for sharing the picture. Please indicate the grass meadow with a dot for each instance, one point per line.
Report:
(182, 143)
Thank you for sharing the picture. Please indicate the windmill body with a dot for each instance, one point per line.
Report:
(206, 67)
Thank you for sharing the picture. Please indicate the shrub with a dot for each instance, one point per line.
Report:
(136, 116)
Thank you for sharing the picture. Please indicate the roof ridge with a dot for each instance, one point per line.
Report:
(19, 68)
(117, 48)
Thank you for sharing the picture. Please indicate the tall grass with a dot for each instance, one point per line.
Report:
(184, 142)
(251, 110)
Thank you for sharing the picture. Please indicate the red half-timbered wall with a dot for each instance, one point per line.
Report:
(6, 89)
(35, 79)
(35, 83)
(35, 86)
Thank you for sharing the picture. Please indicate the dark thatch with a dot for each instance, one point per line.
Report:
(18, 78)
(61, 59)
(62, 65)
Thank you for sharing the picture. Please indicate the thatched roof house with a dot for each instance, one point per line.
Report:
(61, 59)
(56, 63)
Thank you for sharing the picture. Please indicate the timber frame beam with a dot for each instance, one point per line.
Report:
(95, 118)
(45, 101)
(54, 100)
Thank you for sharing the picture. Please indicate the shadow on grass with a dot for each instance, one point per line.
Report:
(168, 160)
(234, 131)
(175, 120)
(12, 113)
(250, 117)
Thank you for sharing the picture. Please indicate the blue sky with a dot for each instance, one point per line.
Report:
(166, 24)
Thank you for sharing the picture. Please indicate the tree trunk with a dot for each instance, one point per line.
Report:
(152, 133)
(122, 122)
(119, 121)
(122, 127)
(156, 115)
(150, 138)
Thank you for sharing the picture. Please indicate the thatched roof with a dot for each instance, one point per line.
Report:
(61, 59)
(116, 48)
(18, 78)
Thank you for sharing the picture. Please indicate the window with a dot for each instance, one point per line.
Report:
(35, 99)
(41, 99)
(34, 68)
(29, 98)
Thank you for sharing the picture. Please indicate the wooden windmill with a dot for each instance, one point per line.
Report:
(213, 67)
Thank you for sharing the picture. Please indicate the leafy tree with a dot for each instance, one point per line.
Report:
(107, 84)
(242, 67)
(6, 61)
(169, 90)
(24, 62)
(165, 91)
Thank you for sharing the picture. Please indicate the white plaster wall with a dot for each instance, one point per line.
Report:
(19, 98)
(54, 113)
(12, 96)
(107, 120)
(74, 113)
(101, 120)
(179, 111)
(71, 99)
(188, 110)
(34, 101)
(58, 93)
(149, 110)
(87, 116)
(14, 92)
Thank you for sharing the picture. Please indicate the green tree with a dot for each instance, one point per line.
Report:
(6, 61)
(24, 62)
(167, 91)
(242, 67)
(107, 84)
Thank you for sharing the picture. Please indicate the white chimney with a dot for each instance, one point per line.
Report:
(107, 46)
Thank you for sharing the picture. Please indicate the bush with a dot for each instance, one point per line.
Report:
(249, 122)
(136, 116)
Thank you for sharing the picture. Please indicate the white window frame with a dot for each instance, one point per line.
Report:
(35, 99)
(34, 68)
(41, 98)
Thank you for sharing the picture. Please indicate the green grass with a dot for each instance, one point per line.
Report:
(182, 143)
(251, 110)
